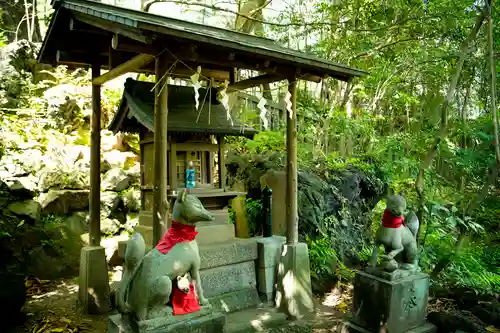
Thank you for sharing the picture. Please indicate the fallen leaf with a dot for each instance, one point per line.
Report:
(493, 329)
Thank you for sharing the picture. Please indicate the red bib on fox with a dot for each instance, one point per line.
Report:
(177, 233)
(391, 221)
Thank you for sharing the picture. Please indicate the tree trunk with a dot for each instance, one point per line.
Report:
(431, 153)
(494, 172)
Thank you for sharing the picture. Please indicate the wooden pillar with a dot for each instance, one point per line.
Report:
(211, 167)
(292, 218)
(173, 167)
(160, 204)
(222, 165)
(95, 162)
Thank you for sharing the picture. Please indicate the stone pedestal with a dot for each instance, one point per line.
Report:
(396, 301)
(93, 280)
(269, 250)
(203, 321)
(294, 294)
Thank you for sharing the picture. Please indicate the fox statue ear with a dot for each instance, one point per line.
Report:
(182, 195)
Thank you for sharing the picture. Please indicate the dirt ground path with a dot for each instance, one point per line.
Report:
(52, 307)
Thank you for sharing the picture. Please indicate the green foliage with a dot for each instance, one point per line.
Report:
(324, 262)
(254, 212)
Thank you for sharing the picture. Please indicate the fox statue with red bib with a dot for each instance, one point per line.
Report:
(146, 286)
(398, 236)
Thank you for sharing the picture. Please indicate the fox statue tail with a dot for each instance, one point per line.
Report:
(136, 249)
(412, 223)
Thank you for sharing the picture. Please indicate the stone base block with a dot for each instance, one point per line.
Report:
(399, 305)
(269, 250)
(198, 322)
(353, 328)
(294, 294)
(235, 301)
(93, 294)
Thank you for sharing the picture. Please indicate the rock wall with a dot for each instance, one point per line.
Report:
(41, 184)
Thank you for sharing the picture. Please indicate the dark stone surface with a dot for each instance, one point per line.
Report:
(12, 298)
(447, 322)
(399, 305)
(353, 328)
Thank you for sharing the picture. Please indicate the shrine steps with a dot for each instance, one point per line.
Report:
(228, 274)
(257, 319)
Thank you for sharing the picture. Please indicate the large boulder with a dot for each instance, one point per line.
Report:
(119, 159)
(132, 199)
(28, 208)
(116, 179)
(66, 167)
(62, 202)
(78, 222)
(23, 186)
(109, 203)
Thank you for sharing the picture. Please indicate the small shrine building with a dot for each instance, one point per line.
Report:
(195, 135)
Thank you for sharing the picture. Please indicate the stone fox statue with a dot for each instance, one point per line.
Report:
(397, 235)
(146, 285)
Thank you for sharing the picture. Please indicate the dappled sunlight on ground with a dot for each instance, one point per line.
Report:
(339, 298)
(60, 289)
(52, 307)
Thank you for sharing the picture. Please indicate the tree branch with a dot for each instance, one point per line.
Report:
(149, 3)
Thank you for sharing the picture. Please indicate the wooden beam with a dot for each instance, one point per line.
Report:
(114, 28)
(121, 42)
(160, 203)
(197, 55)
(133, 64)
(95, 162)
(292, 218)
(254, 82)
(67, 58)
(80, 27)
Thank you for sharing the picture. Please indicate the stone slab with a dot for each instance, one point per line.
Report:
(236, 301)
(269, 249)
(254, 320)
(353, 328)
(266, 279)
(199, 322)
(294, 295)
(93, 293)
(146, 233)
(215, 233)
(236, 251)
(398, 274)
(227, 279)
(400, 304)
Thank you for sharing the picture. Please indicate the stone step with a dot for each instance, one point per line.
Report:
(203, 190)
(235, 251)
(236, 301)
(258, 319)
(215, 233)
(228, 279)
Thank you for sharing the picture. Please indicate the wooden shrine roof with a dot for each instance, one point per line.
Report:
(137, 108)
(81, 32)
